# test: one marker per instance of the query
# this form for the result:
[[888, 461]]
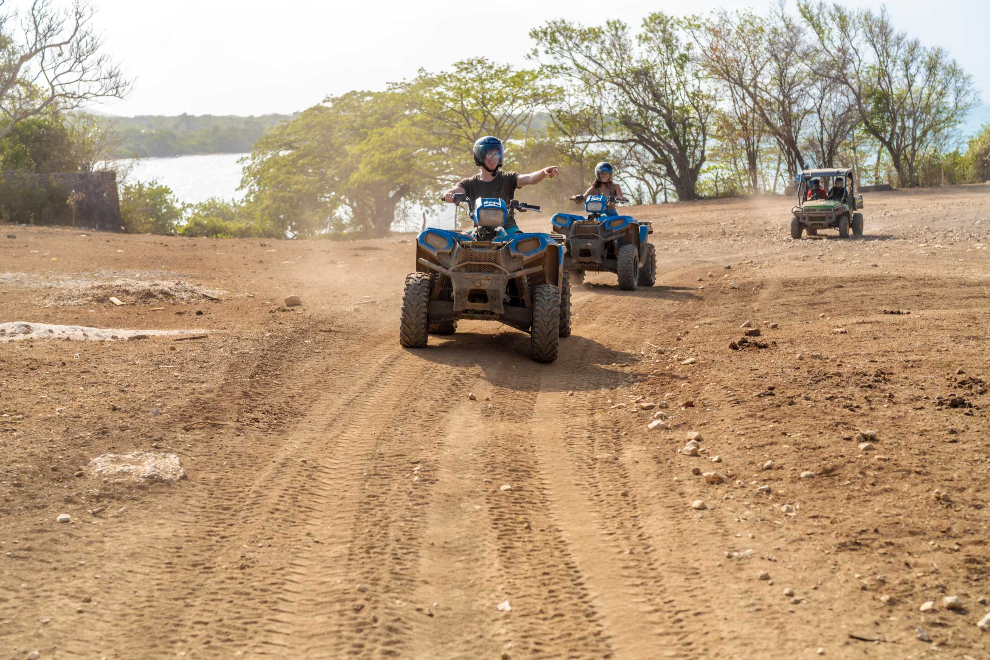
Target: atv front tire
[[844, 227], [565, 306], [795, 228], [414, 323], [648, 273], [628, 267], [857, 224], [545, 334]]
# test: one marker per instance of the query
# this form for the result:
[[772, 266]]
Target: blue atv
[[613, 243], [486, 273]]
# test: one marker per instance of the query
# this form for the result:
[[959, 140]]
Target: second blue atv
[[486, 273], [611, 243]]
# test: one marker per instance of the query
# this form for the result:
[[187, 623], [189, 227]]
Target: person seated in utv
[[603, 185], [815, 190], [838, 191], [492, 182]]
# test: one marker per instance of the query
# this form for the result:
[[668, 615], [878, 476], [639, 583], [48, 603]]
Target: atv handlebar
[[514, 204], [522, 207], [611, 199]]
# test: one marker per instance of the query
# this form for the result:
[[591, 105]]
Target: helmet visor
[[488, 152]]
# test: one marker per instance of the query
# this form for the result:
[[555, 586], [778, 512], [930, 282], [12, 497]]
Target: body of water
[[193, 179], [196, 179]]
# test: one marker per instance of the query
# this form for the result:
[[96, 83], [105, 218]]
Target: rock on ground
[[138, 466]]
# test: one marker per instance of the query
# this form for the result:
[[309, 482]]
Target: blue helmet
[[603, 168], [484, 146]]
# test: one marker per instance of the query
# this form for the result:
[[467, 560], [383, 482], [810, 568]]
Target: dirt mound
[[97, 288]]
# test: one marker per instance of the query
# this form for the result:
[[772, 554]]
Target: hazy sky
[[252, 57]]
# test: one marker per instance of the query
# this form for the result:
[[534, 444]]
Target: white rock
[[820, 651], [786, 508], [619, 406], [505, 487], [715, 478], [922, 634], [764, 575], [504, 606], [472, 397], [984, 623], [807, 475], [928, 606], [952, 603], [788, 592], [138, 466], [716, 459], [656, 424], [694, 435], [765, 488], [690, 450], [867, 446], [63, 518], [747, 324], [33, 655], [689, 361], [647, 405], [699, 505], [768, 465]]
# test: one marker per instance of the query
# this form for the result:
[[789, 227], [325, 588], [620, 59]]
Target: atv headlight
[[595, 204], [493, 217], [436, 241], [527, 245]]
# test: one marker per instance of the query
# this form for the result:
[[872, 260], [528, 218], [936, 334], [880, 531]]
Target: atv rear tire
[[443, 328], [844, 227], [648, 273], [545, 334], [414, 324], [857, 224], [628, 267], [795, 228], [565, 306]]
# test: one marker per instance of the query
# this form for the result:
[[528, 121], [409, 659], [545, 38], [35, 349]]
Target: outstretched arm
[[536, 177]]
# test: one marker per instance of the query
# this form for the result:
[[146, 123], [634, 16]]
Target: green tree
[[907, 96], [342, 166], [624, 91], [149, 208]]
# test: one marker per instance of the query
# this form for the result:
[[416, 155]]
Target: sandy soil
[[345, 498]]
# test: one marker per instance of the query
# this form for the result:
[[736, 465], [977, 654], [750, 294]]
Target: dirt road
[[346, 498]]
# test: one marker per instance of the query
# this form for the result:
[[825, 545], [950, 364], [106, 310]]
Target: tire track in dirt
[[600, 505]]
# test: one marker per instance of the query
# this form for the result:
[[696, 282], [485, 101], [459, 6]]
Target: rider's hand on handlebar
[[449, 197], [550, 171]]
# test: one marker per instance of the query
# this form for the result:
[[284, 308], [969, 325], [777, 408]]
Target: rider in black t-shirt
[[492, 182]]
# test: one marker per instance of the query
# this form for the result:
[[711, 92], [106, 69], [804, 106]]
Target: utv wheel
[[443, 328], [857, 224], [844, 227], [577, 277], [795, 229], [565, 306], [414, 322], [628, 267], [545, 335], [648, 273]]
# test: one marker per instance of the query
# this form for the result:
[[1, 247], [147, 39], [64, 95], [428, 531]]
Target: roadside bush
[[149, 208]]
